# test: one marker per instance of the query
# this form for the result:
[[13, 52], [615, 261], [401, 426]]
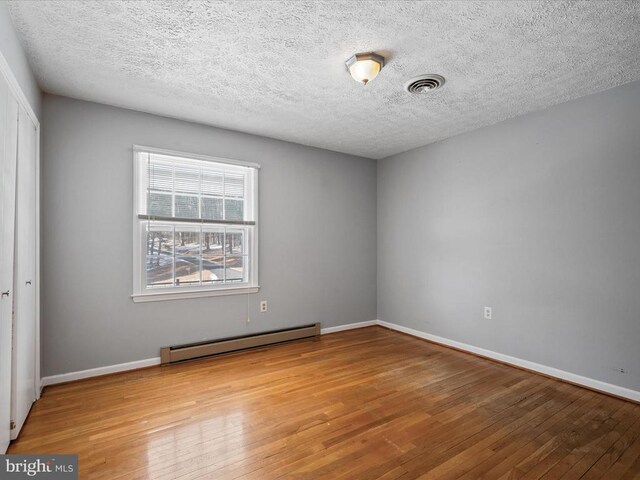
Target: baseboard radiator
[[179, 353]]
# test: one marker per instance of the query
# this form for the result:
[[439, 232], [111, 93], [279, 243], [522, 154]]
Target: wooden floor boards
[[361, 404]]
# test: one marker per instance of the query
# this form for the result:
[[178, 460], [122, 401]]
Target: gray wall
[[317, 238], [537, 217], [17, 59]]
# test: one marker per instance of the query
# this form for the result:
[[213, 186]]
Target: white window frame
[[143, 294]]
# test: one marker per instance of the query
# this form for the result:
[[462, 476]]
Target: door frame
[[15, 88]]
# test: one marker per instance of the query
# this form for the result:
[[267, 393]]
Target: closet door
[[23, 391], [8, 147]]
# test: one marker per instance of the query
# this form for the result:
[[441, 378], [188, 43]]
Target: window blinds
[[181, 189]]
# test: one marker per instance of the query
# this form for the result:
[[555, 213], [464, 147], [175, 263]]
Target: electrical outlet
[[263, 306], [487, 313]]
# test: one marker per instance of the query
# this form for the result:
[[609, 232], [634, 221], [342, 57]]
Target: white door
[[8, 146], [23, 392]]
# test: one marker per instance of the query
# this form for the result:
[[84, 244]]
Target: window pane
[[234, 269], [159, 239], [234, 209], [212, 183], [160, 176], [212, 241], [186, 206], [234, 242], [187, 179], [187, 270], [212, 208], [160, 204], [159, 258], [212, 269], [187, 240], [159, 271], [234, 185]]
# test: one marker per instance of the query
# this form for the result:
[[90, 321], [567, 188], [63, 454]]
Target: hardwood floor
[[361, 404]]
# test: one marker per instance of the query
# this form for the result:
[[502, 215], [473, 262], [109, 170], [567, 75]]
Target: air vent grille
[[424, 84]]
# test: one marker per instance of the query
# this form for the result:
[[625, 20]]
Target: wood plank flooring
[[362, 404]]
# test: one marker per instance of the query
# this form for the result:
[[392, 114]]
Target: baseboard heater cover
[[179, 353]]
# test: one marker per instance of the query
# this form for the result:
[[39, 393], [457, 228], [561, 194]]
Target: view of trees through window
[[192, 255]]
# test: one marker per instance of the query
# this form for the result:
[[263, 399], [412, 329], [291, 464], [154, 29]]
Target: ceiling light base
[[364, 67]]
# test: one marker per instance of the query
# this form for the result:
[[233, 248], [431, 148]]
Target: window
[[195, 226]]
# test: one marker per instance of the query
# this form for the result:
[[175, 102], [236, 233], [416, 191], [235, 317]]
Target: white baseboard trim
[[518, 362], [349, 326], [95, 372]]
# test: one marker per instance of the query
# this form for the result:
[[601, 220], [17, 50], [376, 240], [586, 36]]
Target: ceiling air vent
[[424, 83]]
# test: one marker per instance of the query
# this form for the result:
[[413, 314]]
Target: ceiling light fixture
[[364, 67]]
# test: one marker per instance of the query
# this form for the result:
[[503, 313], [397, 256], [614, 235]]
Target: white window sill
[[180, 295]]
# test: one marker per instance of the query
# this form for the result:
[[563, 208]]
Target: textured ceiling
[[276, 68]]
